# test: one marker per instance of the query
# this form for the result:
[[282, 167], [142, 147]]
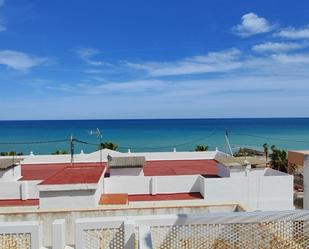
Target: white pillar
[[153, 183], [145, 237], [24, 190], [306, 182], [129, 234], [59, 234]]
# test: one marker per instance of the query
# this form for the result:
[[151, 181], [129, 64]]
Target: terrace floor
[[123, 198]]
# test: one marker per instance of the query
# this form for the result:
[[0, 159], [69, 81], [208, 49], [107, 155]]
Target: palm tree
[[265, 146], [278, 159], [108, 145], [201, 147]]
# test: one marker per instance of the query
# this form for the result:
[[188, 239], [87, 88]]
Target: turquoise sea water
[[155, 135]]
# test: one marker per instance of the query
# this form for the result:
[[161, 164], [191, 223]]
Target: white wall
[[177, 184], [126, 172], [254, 192], [67, 199], [99, 190], [10, 190], [10, 174], [152, 185], [19, 190], [32, 189], [223, 171], [127, 184], [276, 191]]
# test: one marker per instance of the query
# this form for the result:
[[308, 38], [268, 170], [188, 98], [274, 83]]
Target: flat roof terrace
[[43, 171], [76, 175], [181, 167]]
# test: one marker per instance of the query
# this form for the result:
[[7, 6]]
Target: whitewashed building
[[52, 182], [58, 203]]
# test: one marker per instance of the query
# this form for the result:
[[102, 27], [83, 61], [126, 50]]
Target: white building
[[50, 182], [46, 188]]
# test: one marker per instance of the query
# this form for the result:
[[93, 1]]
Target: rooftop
[[305, 152], [8, 162], [180, 167], [31, 172], [75, 175], [230, 161], [19, 202]]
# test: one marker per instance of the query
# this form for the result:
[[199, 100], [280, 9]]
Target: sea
[[139, 135]]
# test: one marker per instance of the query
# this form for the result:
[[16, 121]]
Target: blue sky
[[153, 59]]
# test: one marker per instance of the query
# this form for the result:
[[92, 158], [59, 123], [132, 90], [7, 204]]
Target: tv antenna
[[99, 136], [226, 135]]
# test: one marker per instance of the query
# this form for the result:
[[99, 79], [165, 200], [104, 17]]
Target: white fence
[[269, 230]]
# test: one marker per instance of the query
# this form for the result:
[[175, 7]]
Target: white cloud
[[277, 47], [252, 24], [293, 33], [18, 60], [136, 86], [86, 54], [292, 60], [277, 79], [222, 61]]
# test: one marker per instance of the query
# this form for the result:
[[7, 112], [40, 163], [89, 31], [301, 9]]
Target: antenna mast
[[226, 135], [99, 137]]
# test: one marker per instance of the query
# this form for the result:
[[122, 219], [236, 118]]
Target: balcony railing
[[267, 230]]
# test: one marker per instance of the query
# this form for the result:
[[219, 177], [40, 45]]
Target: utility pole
[[226, 135], [72, 149]]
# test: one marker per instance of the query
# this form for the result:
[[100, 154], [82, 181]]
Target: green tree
[[265, 147], [108, 145], [10, 153], [201, 147], [60, 152], [279, 159]]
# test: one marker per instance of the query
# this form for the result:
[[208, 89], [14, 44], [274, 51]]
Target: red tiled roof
[[43, 171], [180, 167], [166, 197], [75, 175], [18, 202]]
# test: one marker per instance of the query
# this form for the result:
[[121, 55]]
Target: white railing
[[21, 235], [271, 230], [230, 230]]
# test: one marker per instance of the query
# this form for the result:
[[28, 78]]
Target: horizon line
[[124, 119]]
